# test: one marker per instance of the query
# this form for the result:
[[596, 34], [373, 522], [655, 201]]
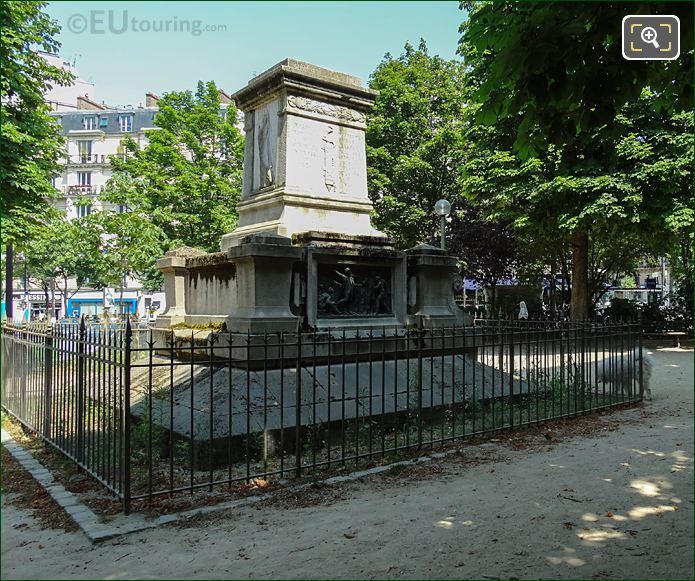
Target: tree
[[414, 143], [488, 251], [128, 244], [187, 180], [576, 125], [61, 250], [31, 142]]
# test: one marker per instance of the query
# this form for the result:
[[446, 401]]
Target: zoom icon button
[[651, 38]]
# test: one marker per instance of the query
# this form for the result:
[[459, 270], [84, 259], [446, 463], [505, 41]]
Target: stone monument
[[305, 163], [305, 255]]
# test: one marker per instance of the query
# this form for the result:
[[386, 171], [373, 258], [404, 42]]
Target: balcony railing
[[93, 158], [81, 190]]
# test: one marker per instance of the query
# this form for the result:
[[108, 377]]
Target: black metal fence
[[150, 412]]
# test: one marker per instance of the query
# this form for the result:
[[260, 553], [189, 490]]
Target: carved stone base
[[431, 275], [287, 213]]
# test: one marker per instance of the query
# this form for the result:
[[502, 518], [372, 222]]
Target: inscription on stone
[[353, 291], [330, 173]]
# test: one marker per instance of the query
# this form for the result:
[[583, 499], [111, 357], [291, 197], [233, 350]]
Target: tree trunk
[[120, 304], [64, 300], [9, 276], [552, 296], [48, 300], [579, 301]]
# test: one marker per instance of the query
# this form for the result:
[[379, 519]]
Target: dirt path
[[617, 504]]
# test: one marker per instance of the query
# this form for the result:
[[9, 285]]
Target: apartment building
[[94, 137], [94, 134]]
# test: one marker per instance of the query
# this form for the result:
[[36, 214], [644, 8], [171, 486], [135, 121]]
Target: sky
[[126, 51]]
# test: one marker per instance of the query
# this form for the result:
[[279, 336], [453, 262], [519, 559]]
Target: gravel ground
[[600, 497]]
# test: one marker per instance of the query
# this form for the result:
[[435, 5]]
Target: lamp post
[[442, 208]]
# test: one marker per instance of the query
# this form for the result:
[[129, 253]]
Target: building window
[[122, 208], [84, 210], [104, 122], [84, 178], [84, 149], [89, 121], [125, 122]]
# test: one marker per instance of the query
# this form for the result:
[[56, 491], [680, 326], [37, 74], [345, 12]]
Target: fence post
[[48, 385], [126, 418], [24, 364], [511, 377], [80, 390], [641, 359], [420, 342], [298, 408]]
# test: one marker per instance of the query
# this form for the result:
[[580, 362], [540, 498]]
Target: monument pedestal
[[264, 264], [431, 300], [305, 255]]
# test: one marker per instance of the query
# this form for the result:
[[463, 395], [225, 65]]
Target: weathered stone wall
[[211, 287]]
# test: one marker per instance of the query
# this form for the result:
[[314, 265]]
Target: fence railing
[[149, 412]]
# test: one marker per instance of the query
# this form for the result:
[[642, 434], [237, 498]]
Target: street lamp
[[442, 208]]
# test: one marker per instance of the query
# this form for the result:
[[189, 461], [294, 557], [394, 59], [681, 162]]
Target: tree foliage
[[64, 250], [129, 245], [31, 140], [187, 180], [573, 142], [414, 143], [557, 67]]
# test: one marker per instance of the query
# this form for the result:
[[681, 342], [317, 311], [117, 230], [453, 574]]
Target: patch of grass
[[397, 469]]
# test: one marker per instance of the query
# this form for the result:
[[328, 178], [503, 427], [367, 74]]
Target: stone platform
[[349, 391]]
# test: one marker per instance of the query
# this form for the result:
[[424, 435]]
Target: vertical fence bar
[[408, 348], [298, 408], [370, 338], [191, 441], [430, 411], [172, 445], [511, 378], [48, 385], [126, 419], [315, 427], [248, 406], [419, 384], [641, 360], [329, 400], [149, 419], [383, 390], [80, 419], [342, 401], [266, 436], [282, 403], [474, 401]]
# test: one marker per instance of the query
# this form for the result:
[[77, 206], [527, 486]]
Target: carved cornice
[[335, 111]]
